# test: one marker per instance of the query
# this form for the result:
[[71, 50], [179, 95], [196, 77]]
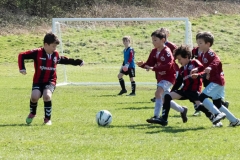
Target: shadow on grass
[[170, 129], [16, 125], [134, 108], [107, 95], [167, 129], [135, 126]]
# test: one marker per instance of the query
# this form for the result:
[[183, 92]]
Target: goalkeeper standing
[[45, 76], [128, 66]]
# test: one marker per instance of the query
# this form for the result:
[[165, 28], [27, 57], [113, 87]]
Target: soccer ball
[[103, 118]]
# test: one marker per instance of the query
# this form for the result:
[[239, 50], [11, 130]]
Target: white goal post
[[56, 28], [188, 29]]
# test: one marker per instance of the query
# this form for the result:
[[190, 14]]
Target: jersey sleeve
[[66, 60], [178, 82], [213, 59], [131, 55], [198, 65], [151, 61], [195, 53], [31, 54]]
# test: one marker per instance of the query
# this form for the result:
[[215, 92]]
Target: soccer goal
[[98, 41]]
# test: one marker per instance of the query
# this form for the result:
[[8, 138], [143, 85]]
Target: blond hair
[[128, 38]]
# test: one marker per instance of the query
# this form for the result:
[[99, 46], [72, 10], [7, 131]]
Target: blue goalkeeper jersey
[[129, 55]]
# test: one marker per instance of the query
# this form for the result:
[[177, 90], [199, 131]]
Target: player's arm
[[213, 58], [131, 55], [178, 83], [198, 67], [75, 62], [31, 54], [194, 53], [150, 61]]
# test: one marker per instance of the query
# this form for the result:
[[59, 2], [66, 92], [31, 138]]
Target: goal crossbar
[[185, 19]]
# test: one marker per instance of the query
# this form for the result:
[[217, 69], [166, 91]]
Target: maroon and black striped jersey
[[45, 64], [190, 84]]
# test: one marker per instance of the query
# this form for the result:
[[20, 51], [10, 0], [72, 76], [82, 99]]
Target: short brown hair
[[159, 34], [165, 30], [184, 51], [207, 37], [198, 34], [50, 38]]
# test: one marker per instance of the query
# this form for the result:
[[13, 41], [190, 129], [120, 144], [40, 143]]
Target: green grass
[[75, 134], [101, 43]]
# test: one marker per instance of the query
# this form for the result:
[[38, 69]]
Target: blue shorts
[[214, 90]]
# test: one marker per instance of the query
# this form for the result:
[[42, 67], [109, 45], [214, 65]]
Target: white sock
[[176, 106], [229, 115], [210, 106], [157, 108]]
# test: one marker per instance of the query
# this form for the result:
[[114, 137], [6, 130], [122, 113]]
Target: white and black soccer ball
[[103, 118]]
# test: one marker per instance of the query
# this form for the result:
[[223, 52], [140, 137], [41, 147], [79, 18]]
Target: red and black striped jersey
[[189, 83], [44, 64]]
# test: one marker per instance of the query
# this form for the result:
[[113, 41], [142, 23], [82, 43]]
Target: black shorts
[[42, 86], [130, 72], [190, 95]]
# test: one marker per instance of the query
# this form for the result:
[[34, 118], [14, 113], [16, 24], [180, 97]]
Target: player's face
[[157, 42], [50, 48], [202, 45], [182, 61], [126, 43]]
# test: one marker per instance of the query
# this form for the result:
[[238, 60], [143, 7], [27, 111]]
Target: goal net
[[98, 41]]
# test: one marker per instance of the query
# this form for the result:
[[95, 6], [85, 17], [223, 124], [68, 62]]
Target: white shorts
[[214, 90], [165, 85]]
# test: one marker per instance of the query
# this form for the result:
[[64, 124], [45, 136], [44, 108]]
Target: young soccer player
[[190, 90], [161, 61], [172, 47], [215, 75], [45, 77], [196, 54], [128, 67]]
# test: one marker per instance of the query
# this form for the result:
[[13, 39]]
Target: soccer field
[[75, 134]]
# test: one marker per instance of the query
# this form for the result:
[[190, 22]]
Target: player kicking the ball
[[45, 76]]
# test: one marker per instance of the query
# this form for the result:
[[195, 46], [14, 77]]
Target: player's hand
[[82, 64], [207, 76], [125, 67], [139, 63], [194, 75], [147, 67], [150, 68], [208, 70], [194, 70], [23, 72]]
